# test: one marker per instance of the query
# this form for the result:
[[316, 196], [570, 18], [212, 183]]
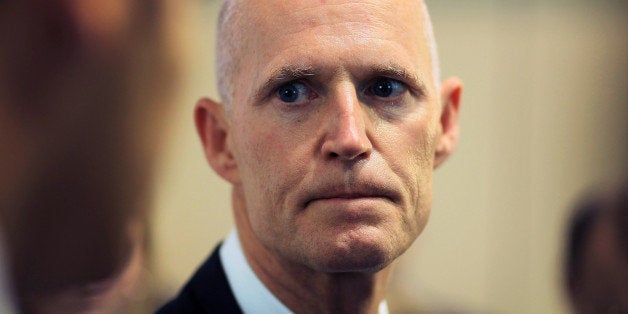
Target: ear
[[451, 91], [213, 129]]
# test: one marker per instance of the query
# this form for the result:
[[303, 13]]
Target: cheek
[[263, 154], [254, 154], [425, 148], [267, 163], [412, 158], [413, 145]]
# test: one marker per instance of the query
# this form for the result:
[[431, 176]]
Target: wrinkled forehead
[[315, 32]]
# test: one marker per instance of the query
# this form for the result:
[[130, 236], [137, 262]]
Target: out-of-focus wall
[[543, 117], [192, 209]]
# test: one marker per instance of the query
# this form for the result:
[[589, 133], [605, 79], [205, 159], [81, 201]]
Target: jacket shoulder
[[208, 291]]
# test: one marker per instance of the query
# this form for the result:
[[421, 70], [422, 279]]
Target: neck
[[304, 290]]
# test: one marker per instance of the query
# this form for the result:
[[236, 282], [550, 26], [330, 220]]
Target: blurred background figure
[[596, 260], [84, 87]]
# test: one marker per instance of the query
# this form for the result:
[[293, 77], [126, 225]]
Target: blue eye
[[292, 92], [386, 88]]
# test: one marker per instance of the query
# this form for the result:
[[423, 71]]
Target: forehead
[[295, 16], [332, 36]]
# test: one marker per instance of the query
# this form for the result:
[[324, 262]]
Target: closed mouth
[[371, 193]]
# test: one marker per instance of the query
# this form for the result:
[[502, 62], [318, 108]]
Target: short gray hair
[[226, 47]]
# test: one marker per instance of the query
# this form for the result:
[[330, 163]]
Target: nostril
[[348, 153]]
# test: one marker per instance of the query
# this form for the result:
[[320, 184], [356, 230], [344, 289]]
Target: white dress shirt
[[250, 293]]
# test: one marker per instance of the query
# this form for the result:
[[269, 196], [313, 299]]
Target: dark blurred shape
[[83, 87], [596, 270]]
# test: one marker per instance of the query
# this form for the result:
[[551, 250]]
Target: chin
[[355, 252]]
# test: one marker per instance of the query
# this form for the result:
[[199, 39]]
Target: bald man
[[331, 123]]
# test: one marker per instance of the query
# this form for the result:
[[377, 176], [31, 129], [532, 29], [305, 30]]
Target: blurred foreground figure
[[81, 97], [597, 254]]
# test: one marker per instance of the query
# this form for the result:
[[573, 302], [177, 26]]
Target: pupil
[[289, 94], [383, 88]]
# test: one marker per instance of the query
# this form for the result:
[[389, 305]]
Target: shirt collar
[[250, 293]]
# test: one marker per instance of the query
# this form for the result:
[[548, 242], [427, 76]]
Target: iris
[[386, 87], [292, 92]]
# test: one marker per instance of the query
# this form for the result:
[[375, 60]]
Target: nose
[[346, 130]]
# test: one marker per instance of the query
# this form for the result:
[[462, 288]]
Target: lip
[[369, 193], [347, 200], [350, 196]]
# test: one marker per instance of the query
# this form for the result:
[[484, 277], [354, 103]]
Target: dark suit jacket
[[207, 292]]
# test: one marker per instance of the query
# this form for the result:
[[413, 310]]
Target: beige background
[[543, 117]]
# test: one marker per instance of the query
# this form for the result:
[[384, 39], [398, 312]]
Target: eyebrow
[[283, 75]]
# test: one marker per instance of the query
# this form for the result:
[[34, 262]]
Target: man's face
[[333, 127]]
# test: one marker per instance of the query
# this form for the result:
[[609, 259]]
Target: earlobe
[[451, 92], [213, 129]]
